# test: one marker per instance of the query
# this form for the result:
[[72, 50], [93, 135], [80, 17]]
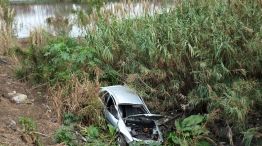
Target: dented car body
[[127, 112]]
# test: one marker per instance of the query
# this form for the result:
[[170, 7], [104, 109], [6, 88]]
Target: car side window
[[104, 97], [111, 107]]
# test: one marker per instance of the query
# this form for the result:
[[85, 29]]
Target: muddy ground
[[36, 108]]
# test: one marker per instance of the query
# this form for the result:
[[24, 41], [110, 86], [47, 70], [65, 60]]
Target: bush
[[77, 97], [190, 131], [66, 135], [29, 127]]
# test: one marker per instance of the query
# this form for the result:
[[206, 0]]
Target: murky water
[[30, 16]]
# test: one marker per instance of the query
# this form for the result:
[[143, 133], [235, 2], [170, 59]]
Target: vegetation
[[6, 27], [73, 134], [29, 127], [190, 132], [203, 59]]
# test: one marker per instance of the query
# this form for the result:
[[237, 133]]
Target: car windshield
[[129, 110]]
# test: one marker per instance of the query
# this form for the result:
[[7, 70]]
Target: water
[[32, 15]]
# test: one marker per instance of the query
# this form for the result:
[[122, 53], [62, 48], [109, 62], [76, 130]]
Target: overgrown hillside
[[204, 57]]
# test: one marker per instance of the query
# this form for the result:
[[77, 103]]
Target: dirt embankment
[[35, 108]]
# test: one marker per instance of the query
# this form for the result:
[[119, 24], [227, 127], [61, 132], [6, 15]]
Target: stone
[[17, 97], [12, 125]]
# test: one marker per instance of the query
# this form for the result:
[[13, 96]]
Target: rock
[[12, 125], [17, 97]]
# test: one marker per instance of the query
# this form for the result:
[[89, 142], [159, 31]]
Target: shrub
[[66, 135], [96, 136], [29, 127], [77, 97], [190, 131], [28, 124]]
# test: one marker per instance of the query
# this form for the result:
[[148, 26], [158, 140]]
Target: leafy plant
[[28, 124], [250, 134], [97, 137], [189, 131], [29, 127], [112, 130], [91, 132], [65, 134], [70, 118]]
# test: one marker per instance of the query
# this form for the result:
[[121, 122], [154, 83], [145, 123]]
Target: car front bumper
[[139, 142]]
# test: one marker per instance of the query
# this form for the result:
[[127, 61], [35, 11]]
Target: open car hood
[[154, 117]]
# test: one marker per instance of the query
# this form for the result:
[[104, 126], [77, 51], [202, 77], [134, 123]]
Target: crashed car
[[127, 112]]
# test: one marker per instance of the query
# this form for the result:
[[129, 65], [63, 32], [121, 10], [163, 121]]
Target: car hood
[[154, 117]]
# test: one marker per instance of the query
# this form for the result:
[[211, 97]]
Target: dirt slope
[[36, 108]]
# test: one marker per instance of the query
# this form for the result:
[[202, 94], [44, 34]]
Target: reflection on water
[[31, 16]]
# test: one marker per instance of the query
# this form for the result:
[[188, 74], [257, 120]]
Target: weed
[[28, 124], [96, 136], [70, 118], [29, 127], [251, 134], [189, 131], [66, 135], [91, 132], [112, 130]]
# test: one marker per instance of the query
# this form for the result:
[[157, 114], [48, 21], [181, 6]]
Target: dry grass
[[78, 97], [121, 10], [38, 37], [59, 25], [7, 39]]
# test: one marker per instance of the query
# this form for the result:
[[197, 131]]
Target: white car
[[127, 112]]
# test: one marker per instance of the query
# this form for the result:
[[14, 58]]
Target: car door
[[110, 110]]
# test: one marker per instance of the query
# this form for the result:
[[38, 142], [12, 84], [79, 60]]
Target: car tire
[[121, 140]]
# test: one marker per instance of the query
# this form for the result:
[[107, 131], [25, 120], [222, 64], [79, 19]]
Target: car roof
[[123, 95]]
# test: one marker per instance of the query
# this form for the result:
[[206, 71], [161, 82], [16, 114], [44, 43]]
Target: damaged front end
[[143, 128]]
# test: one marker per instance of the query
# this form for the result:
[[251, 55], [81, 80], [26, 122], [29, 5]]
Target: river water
[[30, 16]]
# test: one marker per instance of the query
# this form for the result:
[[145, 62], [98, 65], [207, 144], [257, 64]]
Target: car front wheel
[[121, 140]]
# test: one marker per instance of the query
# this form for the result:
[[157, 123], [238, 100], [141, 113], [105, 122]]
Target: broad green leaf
[[192, 120]]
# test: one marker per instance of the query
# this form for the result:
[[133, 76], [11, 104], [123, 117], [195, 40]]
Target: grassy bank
[[204, 57]]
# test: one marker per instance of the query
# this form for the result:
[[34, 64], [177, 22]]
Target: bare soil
[[37, 108]]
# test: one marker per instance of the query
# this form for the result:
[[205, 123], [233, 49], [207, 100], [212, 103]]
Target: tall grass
[[77, 97], [206, 54], [6, 26]]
